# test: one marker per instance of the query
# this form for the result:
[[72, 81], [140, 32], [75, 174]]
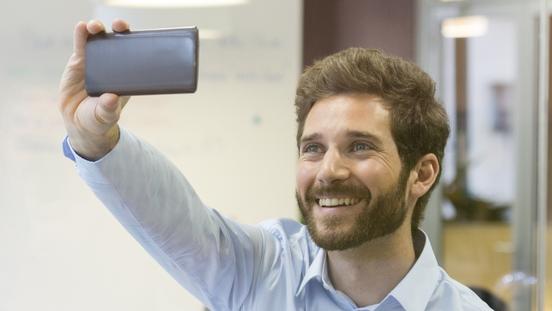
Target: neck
[[369, 272]]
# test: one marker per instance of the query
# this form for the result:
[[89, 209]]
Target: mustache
[[348, 190]]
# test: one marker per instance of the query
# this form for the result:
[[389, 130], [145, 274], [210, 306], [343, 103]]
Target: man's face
[[350, 189]]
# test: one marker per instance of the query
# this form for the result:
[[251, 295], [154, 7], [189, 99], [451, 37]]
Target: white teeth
[[337, 202]]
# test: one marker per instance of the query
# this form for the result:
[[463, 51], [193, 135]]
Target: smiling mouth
[[337, 202]]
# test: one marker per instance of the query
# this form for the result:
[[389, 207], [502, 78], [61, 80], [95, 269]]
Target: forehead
[[337, 115]]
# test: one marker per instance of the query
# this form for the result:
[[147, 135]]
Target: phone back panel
[[145, 62]]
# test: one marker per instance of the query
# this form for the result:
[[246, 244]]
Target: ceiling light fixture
[[210, 34], [173, 3], [464, 27]]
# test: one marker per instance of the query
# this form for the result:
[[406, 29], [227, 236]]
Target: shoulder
[[285, 230], [290, 235], [452, 295], [283, 225]]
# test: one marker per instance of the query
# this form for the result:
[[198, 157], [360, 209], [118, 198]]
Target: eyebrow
[[359, 134], [311, 137], [351, 134]]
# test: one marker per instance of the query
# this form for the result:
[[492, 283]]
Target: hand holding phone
[[91, 122]]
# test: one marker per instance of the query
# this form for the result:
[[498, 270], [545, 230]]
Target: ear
[[423, 175]]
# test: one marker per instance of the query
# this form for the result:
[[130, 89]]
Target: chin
[[335, 236]]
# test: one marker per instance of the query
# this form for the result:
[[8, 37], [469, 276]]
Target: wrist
[[95, 147]]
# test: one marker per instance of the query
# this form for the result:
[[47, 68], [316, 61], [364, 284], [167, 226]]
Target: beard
[[379, 217]]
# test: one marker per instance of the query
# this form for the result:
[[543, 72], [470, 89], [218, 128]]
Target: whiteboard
[[234, 140]]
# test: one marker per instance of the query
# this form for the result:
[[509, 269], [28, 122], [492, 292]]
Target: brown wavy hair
[[419, 123]]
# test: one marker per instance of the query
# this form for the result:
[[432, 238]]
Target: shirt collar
[[413, 291], [316, 270]]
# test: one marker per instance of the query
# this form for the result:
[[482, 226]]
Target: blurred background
[[235, 138]]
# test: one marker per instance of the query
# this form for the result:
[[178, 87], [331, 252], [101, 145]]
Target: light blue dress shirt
[[229, 266]]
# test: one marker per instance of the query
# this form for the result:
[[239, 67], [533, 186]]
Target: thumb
[[108, 109]]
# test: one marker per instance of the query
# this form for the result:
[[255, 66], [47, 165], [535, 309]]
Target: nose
[[333, 168]]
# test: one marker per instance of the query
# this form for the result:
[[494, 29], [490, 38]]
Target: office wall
[[234, 139], [332, 25]]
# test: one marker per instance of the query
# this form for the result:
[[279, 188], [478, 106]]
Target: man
[[371, 139]]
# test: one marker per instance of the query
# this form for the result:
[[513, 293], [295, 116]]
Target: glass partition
[[490, 62]]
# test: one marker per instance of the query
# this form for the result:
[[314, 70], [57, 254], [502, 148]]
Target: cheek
[[305, 176], [374, 175]]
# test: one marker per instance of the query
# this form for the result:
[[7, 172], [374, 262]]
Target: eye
[[312, 148], [361, 146]]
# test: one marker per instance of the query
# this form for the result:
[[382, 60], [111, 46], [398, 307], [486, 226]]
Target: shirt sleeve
[[214, 258]]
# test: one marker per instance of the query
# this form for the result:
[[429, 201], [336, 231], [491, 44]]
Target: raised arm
[[214, 258]]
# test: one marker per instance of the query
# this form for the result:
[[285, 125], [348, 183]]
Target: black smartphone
[[159, 61]]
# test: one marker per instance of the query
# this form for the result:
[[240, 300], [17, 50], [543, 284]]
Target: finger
[[107, 109], [95, 26], [80, 34], [120, 25]]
